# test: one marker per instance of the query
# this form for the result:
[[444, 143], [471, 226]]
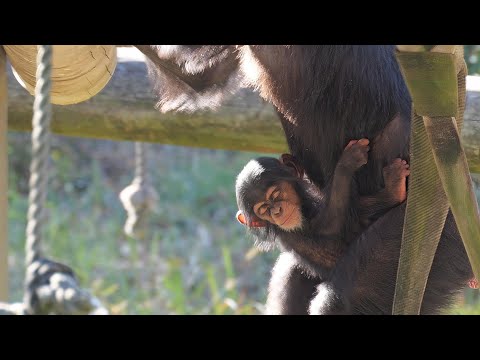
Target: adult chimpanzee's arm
[[192, 77], [290, 290]]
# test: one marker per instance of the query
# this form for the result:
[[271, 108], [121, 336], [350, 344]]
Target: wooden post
[[3, 179]]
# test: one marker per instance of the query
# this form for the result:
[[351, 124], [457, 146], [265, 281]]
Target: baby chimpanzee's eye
[[275, 194], [263, 209]]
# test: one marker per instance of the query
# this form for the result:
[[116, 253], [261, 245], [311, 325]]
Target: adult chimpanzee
[[325, 95]]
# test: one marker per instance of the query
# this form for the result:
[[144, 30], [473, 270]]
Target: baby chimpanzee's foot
[[394, 175]]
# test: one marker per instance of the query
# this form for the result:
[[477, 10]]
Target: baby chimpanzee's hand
[[354, 155]]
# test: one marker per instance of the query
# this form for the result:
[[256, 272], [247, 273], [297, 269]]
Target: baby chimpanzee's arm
[[331, 220]]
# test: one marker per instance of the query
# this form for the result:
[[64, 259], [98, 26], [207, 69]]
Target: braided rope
[[50, 287], [139, 197], [40, 151], [140, 161]]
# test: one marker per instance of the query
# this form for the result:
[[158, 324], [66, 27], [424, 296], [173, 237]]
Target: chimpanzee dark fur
[[325, 96]]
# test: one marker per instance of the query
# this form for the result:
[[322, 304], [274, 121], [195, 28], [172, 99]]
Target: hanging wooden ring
[[78, 71]]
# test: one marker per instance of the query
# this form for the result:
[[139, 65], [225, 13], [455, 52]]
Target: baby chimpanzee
[[276, 203]]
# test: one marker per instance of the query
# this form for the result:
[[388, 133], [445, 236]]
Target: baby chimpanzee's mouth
[[288, 217]]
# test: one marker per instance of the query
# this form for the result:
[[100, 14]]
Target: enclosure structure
[[124, 111]]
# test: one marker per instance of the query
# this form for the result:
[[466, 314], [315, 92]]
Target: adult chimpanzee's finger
[[363, 141]]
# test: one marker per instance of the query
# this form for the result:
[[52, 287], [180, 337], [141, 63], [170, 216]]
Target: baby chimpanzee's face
[[281, 206]]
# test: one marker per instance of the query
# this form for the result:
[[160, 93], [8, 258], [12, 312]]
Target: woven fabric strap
[[439, 172]]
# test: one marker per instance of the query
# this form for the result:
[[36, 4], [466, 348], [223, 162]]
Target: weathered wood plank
[[124, 111]]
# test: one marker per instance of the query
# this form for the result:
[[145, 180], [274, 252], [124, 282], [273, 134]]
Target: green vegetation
[[472, 57], [197, 259], [469, 305]]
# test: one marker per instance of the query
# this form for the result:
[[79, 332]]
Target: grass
[[195, 258]]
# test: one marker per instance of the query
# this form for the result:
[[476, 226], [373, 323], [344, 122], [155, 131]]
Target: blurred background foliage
[[472, 57], [196, 258]]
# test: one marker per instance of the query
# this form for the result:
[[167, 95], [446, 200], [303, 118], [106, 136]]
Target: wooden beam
[[124, 110], [3, 180]]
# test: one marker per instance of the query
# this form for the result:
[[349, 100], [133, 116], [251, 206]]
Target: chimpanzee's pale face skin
[[281, 207]]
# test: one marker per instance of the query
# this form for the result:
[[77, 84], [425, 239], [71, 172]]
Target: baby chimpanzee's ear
[[256, 223], [290, 161]]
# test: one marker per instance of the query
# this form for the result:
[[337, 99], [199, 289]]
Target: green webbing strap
[[439, 173], [425, 215], [432, 81]]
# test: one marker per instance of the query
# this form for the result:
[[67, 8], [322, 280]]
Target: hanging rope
[[50, 287], [42, 111], [139, 197], [140, 161]]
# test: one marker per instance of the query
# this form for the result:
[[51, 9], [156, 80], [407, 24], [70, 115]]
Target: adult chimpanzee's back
[[330, 94], [325, 95]]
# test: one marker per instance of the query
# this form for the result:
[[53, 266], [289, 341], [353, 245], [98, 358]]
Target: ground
[[197, 259]]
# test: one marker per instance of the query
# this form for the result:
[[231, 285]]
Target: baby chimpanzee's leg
[[394, 193], [395, 175]]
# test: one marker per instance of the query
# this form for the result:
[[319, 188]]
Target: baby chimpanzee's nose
[[277, 211]]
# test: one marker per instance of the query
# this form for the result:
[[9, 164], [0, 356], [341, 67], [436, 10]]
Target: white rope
[[50, 287]]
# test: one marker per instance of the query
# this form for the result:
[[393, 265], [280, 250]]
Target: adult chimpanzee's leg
[[450, 267], [364, 279], [290, 290]]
